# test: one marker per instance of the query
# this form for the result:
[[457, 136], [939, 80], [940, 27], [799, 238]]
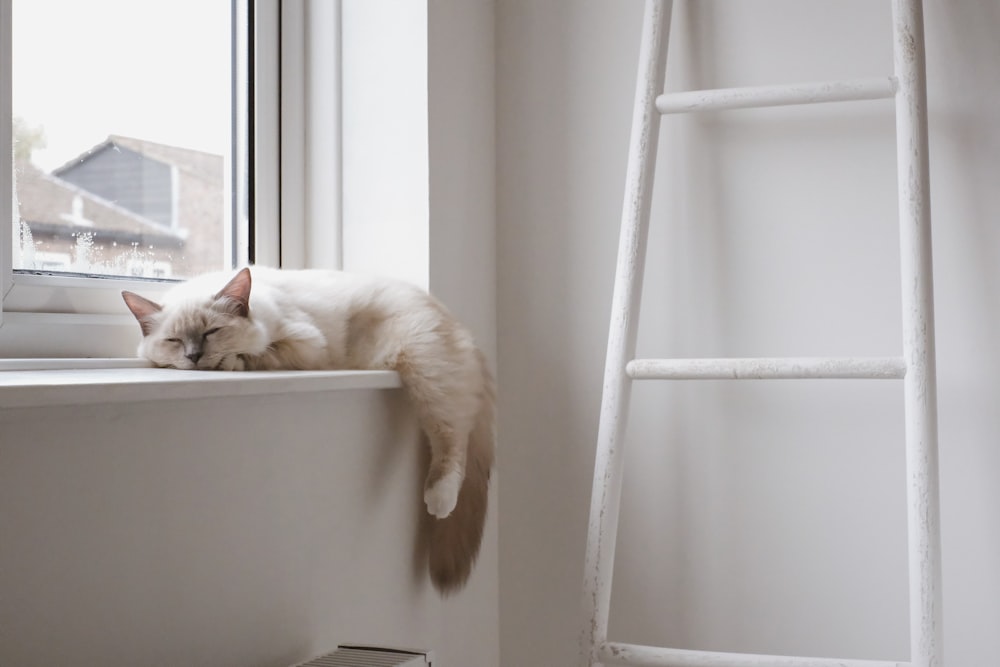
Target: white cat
[[311, 320]]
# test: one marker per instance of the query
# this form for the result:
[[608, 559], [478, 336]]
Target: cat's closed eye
[[178, 341], [210, 332]]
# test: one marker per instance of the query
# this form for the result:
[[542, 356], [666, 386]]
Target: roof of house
[[46, 203], [206, 166]]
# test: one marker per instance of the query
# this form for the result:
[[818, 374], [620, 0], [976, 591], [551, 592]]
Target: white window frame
[[310, 209], [66, 316]]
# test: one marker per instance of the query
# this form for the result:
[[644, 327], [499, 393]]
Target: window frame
[[69, 316], [310, 210]]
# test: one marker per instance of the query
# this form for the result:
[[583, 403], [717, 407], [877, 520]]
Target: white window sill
[[42, 383]]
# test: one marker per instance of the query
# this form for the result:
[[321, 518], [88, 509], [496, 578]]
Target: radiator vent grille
[[371, 656]]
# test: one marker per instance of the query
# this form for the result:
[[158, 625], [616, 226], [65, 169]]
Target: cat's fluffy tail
[[455, 540]]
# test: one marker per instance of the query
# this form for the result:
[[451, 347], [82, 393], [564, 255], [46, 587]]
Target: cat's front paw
[[231, 362], [442, 496]]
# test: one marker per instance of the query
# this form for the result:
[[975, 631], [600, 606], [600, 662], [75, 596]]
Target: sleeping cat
[[315, 319]]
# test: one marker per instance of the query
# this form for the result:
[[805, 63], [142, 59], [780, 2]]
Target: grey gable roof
[[202, 165], [46, 203]]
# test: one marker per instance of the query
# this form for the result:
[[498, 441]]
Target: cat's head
[[198, 331]]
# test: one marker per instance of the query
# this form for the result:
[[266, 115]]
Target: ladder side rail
[[920, 393], [606, 493]]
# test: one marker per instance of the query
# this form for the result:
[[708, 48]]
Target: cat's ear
[[143, 309], [236, 294]]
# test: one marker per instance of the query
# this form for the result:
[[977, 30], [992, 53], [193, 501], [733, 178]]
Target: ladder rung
[[614, 653], [780, 95], [878, 368]]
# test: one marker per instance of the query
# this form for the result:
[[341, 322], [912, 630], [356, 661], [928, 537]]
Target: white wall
[[385, 139], [757, 517], [419, 157], [234, 531], [462, 157]]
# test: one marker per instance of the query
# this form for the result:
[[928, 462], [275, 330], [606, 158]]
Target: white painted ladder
[[916, 367]]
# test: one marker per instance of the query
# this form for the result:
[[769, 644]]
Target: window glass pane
[[122, 131]]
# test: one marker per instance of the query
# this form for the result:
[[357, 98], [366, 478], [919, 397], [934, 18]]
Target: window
[[122, 123], [136, 147], [294, 193]]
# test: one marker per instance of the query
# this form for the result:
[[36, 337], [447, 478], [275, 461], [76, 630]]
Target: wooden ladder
[[916, 366]]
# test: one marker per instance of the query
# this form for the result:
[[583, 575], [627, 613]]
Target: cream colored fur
[[269, 319]]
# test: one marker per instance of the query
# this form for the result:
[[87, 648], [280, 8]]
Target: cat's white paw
[[442, 496], [231, 362]]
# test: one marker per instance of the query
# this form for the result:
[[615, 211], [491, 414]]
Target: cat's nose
[[194, 356]]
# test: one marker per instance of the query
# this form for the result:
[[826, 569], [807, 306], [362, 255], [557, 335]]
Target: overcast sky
[[149, 69]]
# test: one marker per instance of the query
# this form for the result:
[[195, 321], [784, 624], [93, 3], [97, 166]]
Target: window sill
[[40, 384]]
